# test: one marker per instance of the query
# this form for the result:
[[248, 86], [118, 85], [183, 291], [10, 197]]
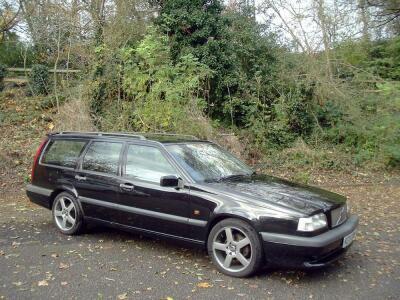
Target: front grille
[[338, 215]]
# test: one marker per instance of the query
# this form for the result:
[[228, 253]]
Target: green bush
[[3, 73], [159, 94], [290, 117], [392, 154], [39, 80], [329, 114]]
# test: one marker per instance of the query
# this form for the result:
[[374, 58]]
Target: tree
[[199, 28], [8, 18], [386, 12]]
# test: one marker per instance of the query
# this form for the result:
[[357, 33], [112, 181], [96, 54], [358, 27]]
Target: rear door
[[98, 180], [153, 207]]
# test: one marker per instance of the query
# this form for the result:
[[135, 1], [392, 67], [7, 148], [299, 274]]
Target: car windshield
[[208, 162]]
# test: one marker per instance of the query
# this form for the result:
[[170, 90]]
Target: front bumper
[[299, 251]]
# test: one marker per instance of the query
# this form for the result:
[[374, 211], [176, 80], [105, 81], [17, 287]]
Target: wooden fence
[[21, 73]]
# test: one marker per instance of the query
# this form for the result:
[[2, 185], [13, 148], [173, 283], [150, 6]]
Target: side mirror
[[171, 181]]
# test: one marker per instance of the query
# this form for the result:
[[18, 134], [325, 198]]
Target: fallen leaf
[[43, 283], [122, 296], [63, 266], [204, 284]]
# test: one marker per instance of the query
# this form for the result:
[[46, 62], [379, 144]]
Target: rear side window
[[64, 153], [102, 157]]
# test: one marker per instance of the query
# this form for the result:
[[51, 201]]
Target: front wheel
[[235, 248]]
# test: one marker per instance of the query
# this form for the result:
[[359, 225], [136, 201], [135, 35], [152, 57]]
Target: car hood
[[262, 190]]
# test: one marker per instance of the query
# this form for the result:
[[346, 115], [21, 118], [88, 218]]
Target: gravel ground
[[38, 262]]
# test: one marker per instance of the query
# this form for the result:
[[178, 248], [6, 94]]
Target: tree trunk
[[364, 16], [323, 22]]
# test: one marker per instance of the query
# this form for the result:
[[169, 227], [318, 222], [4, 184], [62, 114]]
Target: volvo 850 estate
[[192, 190]]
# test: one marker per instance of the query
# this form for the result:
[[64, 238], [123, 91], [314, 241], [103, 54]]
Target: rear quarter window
[[64, 153]]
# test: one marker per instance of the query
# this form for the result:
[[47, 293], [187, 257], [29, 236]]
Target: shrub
[[3, 73], [288, 118], [159, 94], [39, 80], [329, 114]]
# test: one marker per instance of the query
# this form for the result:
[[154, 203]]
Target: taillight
[[37, 155]]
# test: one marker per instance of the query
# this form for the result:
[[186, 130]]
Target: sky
[[307, 29]]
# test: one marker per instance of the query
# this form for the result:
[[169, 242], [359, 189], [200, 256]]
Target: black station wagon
[[183, 188]]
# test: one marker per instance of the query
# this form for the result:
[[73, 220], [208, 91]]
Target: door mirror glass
[[171, 181]]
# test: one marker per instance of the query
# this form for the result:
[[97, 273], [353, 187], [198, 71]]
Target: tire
[[235, 256], [67, 214]]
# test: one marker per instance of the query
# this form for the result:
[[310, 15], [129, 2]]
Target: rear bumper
[[307, 252], [39, 195]]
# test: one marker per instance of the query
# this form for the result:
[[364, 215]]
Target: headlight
[[312, 223]]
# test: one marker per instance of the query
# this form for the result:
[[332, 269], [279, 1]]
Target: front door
[[153, 207]]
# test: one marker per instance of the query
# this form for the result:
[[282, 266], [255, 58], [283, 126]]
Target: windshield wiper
[[234, 176]]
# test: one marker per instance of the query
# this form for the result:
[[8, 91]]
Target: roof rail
[[167, 134], [138, 136]]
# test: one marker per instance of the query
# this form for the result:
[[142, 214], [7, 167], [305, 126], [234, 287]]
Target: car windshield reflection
[[208, 162]]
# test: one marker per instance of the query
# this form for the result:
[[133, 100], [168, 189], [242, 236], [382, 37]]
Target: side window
[[147, 163], [102, 157], [64, 153]]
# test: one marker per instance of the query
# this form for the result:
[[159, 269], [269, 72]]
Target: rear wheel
[[235, 248], [67, 214]]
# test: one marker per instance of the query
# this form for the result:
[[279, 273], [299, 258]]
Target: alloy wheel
[[232, 249], [65, 213]]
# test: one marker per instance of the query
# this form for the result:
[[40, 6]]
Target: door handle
[[127, 186], [79, 177]]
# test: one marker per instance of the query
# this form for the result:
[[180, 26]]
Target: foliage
[[381, 58], [13, 52], [3, 73], [39, 80], [384, 59], [200, 65], [251, 85], [98, 85], [200, 29], [371, 134], [165, 95]]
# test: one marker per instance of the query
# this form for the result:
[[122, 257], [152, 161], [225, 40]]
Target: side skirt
[[146, 232]]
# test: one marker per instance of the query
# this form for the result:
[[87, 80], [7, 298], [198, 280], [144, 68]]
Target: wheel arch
[[223, 216], [60, 189]]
